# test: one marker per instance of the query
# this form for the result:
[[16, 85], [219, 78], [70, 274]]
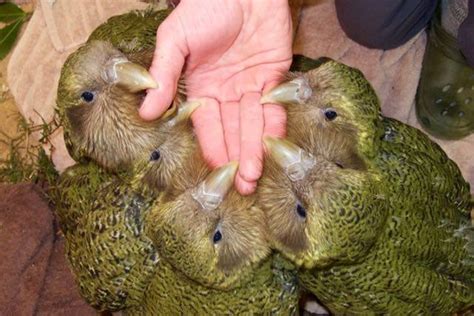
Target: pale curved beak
[[128, 75], [295, 91], [212, 191], [294, 161], [183, 111]]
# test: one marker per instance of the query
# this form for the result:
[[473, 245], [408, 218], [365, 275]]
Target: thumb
[[168, 60]]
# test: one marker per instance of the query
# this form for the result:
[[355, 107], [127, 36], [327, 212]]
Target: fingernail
[[244, 187], [250, 170]]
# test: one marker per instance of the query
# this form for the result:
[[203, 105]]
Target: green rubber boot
[[445, 96]]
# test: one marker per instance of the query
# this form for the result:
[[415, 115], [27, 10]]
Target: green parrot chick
[[99, 93], [396, 197], [329, 100], [318, 212], [216, 259], [213, 236]]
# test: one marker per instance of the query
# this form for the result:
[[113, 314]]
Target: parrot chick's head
[[169, 164], [99, 93], [317, 211], [210, 232], [332, 96]]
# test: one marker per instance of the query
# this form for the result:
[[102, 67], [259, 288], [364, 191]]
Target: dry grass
[[22, 157]]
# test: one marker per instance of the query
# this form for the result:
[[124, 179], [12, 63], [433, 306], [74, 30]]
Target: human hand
[[233, 50]]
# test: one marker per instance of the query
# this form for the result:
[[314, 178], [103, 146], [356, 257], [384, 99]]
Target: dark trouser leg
[[466, 35], [384, 24]]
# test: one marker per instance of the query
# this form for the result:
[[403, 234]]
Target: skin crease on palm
[[231, 52]]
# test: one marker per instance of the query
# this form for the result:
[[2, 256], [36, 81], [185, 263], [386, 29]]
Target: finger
[[275, 120], [251, 132], [274, 115], [168, 60], [208, 127], [231, 122], [244, 187]]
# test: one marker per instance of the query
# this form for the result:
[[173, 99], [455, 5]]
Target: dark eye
[[217, 236], [330, 114], [87, 96], [300, 210], [155, 155]]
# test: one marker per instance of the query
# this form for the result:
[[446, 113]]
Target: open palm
[[231, 51]]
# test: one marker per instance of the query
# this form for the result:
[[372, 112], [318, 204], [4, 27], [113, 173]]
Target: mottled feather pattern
[[112, 259], [131, 32], [71, 194], [417, 254], [385, 227], [144, 227], [262, 296]]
